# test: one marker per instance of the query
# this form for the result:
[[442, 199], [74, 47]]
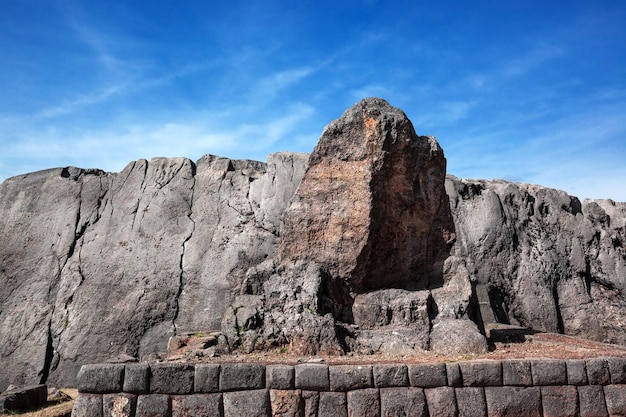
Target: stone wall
[[520, 387]]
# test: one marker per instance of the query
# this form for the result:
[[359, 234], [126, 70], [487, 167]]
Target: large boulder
[[372, 208], [371, 231]]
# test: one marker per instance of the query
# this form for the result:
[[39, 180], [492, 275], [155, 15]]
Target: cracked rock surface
[[372, 254], [96, 265]]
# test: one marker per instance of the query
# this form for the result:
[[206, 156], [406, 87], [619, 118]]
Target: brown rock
[[371, 208]]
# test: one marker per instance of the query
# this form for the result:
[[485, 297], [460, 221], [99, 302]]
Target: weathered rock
[[371, 209], [23, 398], [173, 246], [527, 245], [166, 245]]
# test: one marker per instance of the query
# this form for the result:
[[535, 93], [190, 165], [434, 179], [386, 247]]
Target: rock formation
[[374, 254], [542, 259]]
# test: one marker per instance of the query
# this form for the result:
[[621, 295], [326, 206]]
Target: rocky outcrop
[[364, 259], [543, 259], [369, 255], [97, 265], [371, 208]]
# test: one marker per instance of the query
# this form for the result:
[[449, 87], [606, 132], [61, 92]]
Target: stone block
[[513, 401], [516, 372], [311, 400], [350, 377], [87, 405], [617, 369], [242, 376], [591, 401], [137, 378], [390, 375], [453, 373], [153, 405], [286, 403], [576, 372], [403, 401], [549, 372], [559, 401], [279, 377], [363, 403], [197, 405], [119, 405], [332, 404], [441, 402], [206, 378], [471, 401], [312, 377], [481, 373], [615, 396], [171, 378], [23, 398], [598, 372], [252, 403], [427, 375], [100, 378]]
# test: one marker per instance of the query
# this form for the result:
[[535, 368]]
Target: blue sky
[[529, 91]]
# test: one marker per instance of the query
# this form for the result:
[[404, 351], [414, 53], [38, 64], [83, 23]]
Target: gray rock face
[[542, 259], [95, 265]]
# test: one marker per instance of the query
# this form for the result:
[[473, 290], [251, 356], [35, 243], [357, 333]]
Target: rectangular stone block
[[350, 377], [549, 372], [242, 376], [513, 401], [471, 401], [516, 372], [171, 378], [390, 375], [279, 377], [559, 401], [615, 396], [405, 401], [576, 372], [617, 369], [311, 401], [197, 405], [100, 378], [481, 373], [137, 378], [453, 373], [598, 372], [153, 405], [252, 403], [332, 404], [312, 377], [363, 403], [87, 405], [427, 375], [206, 378], [286, 403], [591, 401], [119, 405], [441, 402]]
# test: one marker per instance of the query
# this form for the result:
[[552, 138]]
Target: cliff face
[[95, 265], [542, 259]]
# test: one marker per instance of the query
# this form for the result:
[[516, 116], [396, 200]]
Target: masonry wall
[[589, 387]]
